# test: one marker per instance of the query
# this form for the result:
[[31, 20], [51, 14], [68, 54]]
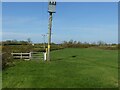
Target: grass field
[[69, 68]]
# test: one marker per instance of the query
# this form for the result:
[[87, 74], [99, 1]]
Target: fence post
[[45, 56], [30, 55]]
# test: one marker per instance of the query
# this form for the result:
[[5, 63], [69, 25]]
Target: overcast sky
[[85, 22]]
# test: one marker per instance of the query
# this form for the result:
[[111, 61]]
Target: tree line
[[99, 44]]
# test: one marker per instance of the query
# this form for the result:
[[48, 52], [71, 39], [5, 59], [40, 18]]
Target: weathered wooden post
[[51, 9]]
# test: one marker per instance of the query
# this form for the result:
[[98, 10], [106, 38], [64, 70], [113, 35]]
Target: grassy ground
[[69, 68]]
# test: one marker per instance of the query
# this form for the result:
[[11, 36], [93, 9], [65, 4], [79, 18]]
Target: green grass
[[69, 68]]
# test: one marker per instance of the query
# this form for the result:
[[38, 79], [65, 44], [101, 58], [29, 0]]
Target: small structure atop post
[[52, 6], [51, 9]]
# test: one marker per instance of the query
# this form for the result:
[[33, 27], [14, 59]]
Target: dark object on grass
[[74, 56]]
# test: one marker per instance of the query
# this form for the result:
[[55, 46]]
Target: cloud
[[19, 20], [24, 24], [88, 34], [21, 36], [21, 28], [15, 34]]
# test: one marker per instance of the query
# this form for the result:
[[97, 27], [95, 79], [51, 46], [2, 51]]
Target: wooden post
[[49, 36]]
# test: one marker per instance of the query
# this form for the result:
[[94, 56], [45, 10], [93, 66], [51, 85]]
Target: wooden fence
[[28, 56]]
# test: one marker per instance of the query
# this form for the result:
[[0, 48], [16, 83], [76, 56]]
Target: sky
[[80, 21]]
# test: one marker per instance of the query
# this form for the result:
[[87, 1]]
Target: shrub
[[6, 57]]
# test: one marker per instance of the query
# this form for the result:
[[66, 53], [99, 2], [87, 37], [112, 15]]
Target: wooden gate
[[37, 55]]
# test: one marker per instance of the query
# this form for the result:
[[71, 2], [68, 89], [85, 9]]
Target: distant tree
[[75, 42], [79, 42], [71, 41], [23, 42], [85, 43], [93, 44], [101, 43], [114, 44], [29, 41], [15, 41]]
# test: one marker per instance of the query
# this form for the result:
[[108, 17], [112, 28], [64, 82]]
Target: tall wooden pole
[[49, 36]]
